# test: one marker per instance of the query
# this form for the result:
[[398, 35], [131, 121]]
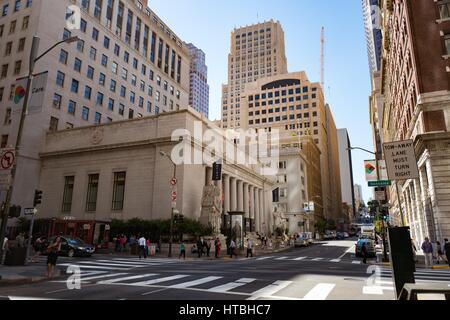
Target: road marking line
[[317, 259], [103, 276], [376, 290], [108, 264], [300, 258], [263, 258], [281, 258], [349, 250], [232, 285], [26, 298], [154, 281], [125, 262], [194, 283], [356, 262], [127, 278], [154, 291], [92, 267], [336, 260], [269, 290], [320, 291]]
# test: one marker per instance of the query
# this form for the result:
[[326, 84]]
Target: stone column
[[240, 195], [246, 200], [435, 234], [226, 193], [420, 211], [257, 211], [262, 217], [252, 202], [233, 192]]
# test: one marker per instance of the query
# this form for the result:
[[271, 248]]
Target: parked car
[[340, 236], [302, 240], [329, 235], [370, 246], [74, 247]]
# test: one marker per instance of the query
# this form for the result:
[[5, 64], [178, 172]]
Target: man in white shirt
[[5, 248], [250, 248], [142, 243]]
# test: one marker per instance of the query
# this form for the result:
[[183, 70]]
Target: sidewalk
[[31, 273], [420, 264]]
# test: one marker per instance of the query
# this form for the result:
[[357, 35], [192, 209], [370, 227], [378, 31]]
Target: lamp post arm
[[358, 148]]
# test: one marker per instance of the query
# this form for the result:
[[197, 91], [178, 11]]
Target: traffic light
[[37, 197], [14, 211], [180, 218]]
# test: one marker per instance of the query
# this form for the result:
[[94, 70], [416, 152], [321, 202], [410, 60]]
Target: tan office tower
[[294, 105], [257, 51]]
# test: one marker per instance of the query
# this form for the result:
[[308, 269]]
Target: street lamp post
[[33, 59], [385, 256], [162, 153]]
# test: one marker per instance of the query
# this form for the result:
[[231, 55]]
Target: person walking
[[182, 251], [364, 253], [5, 249], [427, 249], [53, 250], [440, 253], [147, 247], [38, 248], [217, 246], [208, 248], [233, 249], [447, 250], [250, 247], [142, 243], [200, 247]]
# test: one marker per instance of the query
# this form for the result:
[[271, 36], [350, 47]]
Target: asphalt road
[[326, 271]]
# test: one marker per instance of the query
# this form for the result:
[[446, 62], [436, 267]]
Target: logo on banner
[[19, 94], [370, 168]]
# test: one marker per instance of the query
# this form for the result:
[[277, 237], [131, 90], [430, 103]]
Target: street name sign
[[29, 211], [401, 160], [381, 183]]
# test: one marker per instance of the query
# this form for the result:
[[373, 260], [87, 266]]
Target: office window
[[29, 3], [92, 190], [80, 46], [135, 63], [112, 86], [156, 110], [447, 43], [90, 72], [83, 25], [93, 53], [149, 107], [5, 10], [132, 96], [121, 109], [8, 49], [141, 102], [77, 65], [57, 101], [126, 56], [111, 104], [4, 142], [85, 113], [143, 69], [85, 4], [74, 86], [2, 28], [68, 193], [160, 53], [133, 79], [142, 86], [101, 79], [150, 90], [71, 107], [66, 34], [444, 9], [114, 68], [2, 90], [25, 22], [123, 91], [151, 75], [106, 42], [99, 100], [98, 118], [60, 79], [158, 80], [63, 56], [153, 47], [130, 114], [124, 74], [12, 27], [7, 116], [118, 190], [95, 34], [116, 49], [87, 92], [98, 9]]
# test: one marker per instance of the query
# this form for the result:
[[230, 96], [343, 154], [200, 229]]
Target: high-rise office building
[[198, 86], [346, 170], [374, 36], [127, 64], [257, 51]]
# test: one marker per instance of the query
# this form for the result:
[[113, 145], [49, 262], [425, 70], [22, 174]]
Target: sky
[[208, 25]]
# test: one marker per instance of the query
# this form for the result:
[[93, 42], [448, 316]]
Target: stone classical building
[[127, 64], [116, 171], [416, 88]]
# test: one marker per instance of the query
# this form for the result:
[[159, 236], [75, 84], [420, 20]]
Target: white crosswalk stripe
[[320, 291], [155, 281], [118, 280], [231, 285], [194, 282], [270, 290]]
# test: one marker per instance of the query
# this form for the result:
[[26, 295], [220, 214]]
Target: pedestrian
[[208, 248], [194, 249], [182, 251], [38, 248], [147, 247], [142, 244], [447, 250], [440, 252], [364, 253], [250, 247], [414, 250], [217, 246], [200, 247], [53, 250], [233, 249], [5, 249], [427, 249]]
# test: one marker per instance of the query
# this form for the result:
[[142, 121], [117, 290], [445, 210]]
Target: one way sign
[[29, 211]]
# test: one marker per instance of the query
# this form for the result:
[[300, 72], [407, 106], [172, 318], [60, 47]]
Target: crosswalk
[[311, 259], [252, 288]]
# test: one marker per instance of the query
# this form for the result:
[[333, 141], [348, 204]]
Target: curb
[[441, 267], [29, 280]]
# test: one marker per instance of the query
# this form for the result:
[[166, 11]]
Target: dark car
[[74, 247]]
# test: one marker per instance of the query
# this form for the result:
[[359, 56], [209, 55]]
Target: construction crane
[[322, 58]]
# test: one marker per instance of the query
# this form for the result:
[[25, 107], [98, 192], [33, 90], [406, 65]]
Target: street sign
[[173, 182], [381, 183], [217, 171], [401, 160], [29, 211], [311, 206], [7, 159], [380, 194]]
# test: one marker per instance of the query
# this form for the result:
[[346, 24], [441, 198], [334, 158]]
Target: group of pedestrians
[[438, 252], [203, 247]]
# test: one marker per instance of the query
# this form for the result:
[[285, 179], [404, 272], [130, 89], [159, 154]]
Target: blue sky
[[208, 24]]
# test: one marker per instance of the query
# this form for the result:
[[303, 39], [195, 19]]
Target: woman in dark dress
[[53, 250]]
